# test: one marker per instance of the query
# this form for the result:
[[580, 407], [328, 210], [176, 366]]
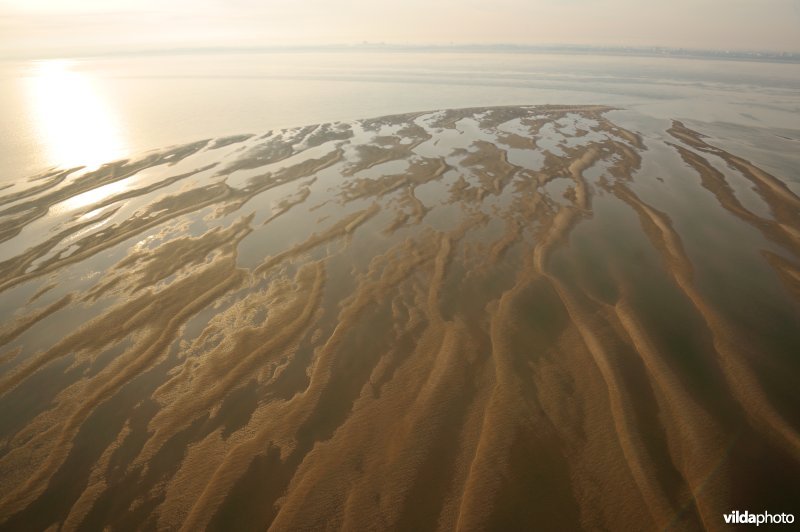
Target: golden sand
[[393, 324]]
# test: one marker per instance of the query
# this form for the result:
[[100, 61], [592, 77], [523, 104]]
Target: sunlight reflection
[[75, 125], [92, 197]]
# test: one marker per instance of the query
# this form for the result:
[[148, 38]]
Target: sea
[[86, 111]]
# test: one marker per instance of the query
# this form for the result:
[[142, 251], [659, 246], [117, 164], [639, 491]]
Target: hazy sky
[[50, 27]]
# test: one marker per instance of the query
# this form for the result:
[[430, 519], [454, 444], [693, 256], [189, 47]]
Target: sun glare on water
[[75, 125]]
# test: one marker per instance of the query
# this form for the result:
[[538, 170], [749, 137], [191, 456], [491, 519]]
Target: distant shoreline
[[622, 51]]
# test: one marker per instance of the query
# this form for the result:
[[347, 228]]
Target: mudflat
[[497, 318]]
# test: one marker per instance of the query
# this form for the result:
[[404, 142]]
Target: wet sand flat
[[500, 318]]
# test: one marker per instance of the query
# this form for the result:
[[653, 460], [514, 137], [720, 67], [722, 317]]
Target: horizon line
[[554, 48]]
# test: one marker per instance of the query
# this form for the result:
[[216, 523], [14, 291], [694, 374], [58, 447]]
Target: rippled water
[[484, 318]]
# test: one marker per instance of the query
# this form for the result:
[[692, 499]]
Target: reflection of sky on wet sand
[[74, 124]]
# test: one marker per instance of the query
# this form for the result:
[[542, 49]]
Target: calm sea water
[[89, 111]]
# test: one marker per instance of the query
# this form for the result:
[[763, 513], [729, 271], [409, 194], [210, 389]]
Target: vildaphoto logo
[[764, 518]]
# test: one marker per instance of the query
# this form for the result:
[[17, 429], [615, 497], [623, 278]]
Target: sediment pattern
[[502, 318]]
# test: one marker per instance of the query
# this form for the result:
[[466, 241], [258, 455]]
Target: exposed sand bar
[[468, 319]]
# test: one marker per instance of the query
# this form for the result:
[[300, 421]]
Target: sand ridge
[[468, 319]]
